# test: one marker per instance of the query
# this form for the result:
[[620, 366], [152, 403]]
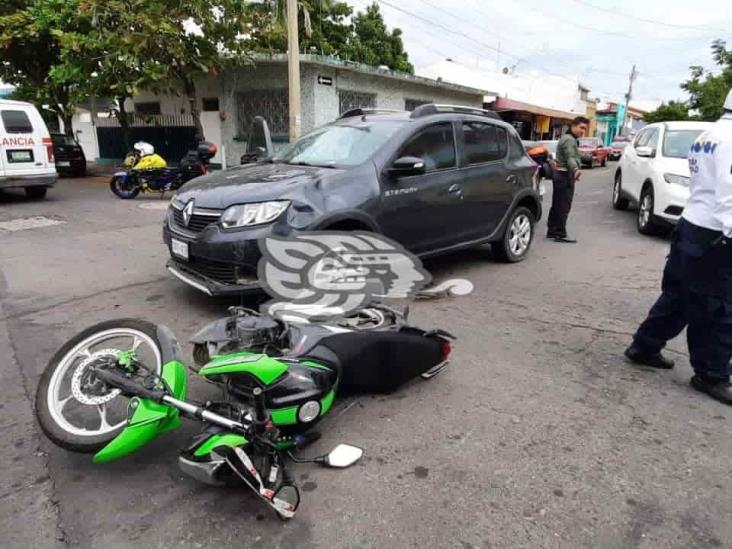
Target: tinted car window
[[652, 140], [435, 145], [62, 139], [677, 143], [16, 122], [484, 142], [641, 138]]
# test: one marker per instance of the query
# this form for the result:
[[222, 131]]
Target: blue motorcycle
[[128, 183]]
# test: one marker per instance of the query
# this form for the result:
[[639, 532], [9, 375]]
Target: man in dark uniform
[[697, 281], [566, 172]]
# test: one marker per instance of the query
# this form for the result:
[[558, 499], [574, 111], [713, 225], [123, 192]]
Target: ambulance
[[26, 150]]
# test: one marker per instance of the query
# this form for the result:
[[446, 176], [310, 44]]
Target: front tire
[[123, 189], [516, 241], [36, 192], [646, 221], [61, 410], [619, 201]]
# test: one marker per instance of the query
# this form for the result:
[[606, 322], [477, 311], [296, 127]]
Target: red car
[[593, 152]]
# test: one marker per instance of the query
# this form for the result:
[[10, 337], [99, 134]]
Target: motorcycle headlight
[[246, 215], [309, 411], [676, 179]]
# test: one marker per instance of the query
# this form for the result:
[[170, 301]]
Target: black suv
[[436, 180]]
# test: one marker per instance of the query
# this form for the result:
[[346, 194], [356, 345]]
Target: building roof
[[333, 62], [504, 104]]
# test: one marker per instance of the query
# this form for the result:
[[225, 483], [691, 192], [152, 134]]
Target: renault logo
[[188, 212]]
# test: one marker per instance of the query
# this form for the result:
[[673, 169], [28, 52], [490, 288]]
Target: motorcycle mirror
[[286, 500], [343, 455]]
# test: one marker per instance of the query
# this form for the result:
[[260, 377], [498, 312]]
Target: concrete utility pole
[[628, 96], [293, 70]]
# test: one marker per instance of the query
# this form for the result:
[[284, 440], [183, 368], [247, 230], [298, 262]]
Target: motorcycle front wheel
[[75, 409], [123, 188]]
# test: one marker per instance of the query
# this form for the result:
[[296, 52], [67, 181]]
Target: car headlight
[[677, 179], [246, 215]]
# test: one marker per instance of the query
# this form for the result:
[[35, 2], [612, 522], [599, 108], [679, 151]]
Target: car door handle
[[512, 179], [455, 188]]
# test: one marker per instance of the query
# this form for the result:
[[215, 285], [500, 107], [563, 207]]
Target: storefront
[[533, 122]]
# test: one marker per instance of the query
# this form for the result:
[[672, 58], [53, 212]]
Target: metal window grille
[[348, 99], [271, 104]]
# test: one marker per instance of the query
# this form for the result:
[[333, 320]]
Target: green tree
[[330, 28], [28, 53], [673, 110], [708, 91], [373, 44]]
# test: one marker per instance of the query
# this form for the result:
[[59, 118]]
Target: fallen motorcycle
[[278, 379], [130, 182]]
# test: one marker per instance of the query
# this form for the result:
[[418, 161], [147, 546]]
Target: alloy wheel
[[519, 236]]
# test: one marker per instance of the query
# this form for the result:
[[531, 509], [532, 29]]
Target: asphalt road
[[538, 435]]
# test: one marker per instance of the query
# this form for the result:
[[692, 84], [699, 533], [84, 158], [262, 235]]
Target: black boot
[[718, 389], [565, 239], [657, 360]]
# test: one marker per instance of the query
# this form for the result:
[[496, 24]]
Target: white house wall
[[319, 102]]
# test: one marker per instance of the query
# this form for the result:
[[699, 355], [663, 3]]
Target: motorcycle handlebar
[[128, 386]]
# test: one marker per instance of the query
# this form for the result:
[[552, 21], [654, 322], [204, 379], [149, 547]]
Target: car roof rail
[[361, 112], [436, 108]]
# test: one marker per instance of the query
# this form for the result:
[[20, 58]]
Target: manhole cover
[[27, 223]]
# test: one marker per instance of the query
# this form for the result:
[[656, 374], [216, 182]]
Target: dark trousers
[[562, 196], [697, 294]]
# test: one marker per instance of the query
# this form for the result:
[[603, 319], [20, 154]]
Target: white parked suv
[[26, 149], [654, 173]]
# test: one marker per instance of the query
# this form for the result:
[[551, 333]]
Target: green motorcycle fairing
[[147, 418], [267, 370], [263, 367]]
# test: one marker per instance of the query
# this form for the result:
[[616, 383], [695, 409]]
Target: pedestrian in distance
[[697, 279], [566, 173]]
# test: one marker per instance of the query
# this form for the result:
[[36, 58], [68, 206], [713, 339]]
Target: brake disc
[[80, 379]]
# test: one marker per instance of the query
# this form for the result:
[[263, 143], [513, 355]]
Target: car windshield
[[619, 144], [337, 145], [60, 139], [588, 142], [677, 143]]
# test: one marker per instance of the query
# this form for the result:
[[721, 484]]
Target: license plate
[[179, 248], [20, 156], [63, 164]]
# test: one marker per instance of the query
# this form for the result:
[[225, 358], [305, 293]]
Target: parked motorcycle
[[277, 379], [130, 182]]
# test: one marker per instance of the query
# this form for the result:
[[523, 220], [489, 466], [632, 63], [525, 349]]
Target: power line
[[467, 37], [596, 30], [652, 21]]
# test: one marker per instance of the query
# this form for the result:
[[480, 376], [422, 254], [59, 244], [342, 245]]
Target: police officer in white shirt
[[697, 280]]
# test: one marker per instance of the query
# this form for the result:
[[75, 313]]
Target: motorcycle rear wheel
[[60, 407], [123, 189]]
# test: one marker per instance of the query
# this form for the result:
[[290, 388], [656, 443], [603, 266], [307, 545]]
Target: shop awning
[[504, 104]]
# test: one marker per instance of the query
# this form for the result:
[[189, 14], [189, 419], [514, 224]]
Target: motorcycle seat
[[378, 361]]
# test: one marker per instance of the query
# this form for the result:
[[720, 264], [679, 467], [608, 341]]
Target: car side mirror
[[407, 165], [645, 152]]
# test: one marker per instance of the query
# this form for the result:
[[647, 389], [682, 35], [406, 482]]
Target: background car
[[654, 173], [70, 159], [593, 151], [26, 151], [435, 180], [617, 147]]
